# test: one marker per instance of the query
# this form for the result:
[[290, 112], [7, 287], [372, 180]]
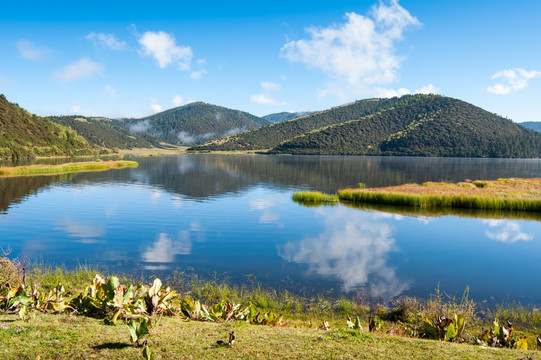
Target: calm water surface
[[232, 217]]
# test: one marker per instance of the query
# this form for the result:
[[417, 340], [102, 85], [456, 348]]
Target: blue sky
[[131, 59]]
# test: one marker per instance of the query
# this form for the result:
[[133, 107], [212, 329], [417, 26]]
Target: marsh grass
[[314, 197], [65, 168], [502, 194]]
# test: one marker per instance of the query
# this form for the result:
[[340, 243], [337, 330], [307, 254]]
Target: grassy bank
[[501, 194], [74, 314], [314, 197], [65, 168]]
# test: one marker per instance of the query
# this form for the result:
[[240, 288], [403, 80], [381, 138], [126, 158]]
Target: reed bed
[[65, 168], [314, 197], [501, 194]]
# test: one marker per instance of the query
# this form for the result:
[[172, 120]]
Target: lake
[[231, 217]]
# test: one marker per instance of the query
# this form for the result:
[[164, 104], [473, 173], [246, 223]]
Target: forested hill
[[533, 125], [282, 116], [105, 132], [427, 125], [195, 123], [26, 135], [268, 137]]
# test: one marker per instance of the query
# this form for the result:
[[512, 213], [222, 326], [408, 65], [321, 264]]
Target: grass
[[76, 337], [501, 194], [63, 336], [64, 168], [314, 197]]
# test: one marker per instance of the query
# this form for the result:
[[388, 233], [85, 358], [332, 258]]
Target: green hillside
[[105, 132], [282, 116], [24, 135], [533, 125], [268, 137], [195, 123], [426, 125]]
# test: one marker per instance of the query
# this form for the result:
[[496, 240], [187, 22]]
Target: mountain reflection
[[206, 176], [353, 248]]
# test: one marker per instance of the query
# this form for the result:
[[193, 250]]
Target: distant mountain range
[[282, 116], [416, 125], [195, 123], [533, 125]]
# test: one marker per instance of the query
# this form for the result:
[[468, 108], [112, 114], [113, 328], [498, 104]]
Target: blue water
[[233, 217]]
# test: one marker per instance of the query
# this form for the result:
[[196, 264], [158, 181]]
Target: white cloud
[[107, 41], [84, 67], [155, 106], [177, 100], [196, 75], [387, 93], [162, 47], [506, 231], [264, 99], [31, 51], [269, 85], [109, 90], [77, 110], [513, 80], [358, 54]]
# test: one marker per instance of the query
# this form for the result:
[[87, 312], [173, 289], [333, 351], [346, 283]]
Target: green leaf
[[451, 332], [459, 324], [430, 330], [132, 326], [147, 355]]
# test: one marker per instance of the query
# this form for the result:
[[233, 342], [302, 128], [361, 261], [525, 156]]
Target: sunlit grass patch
[[314, 197], [65, 168]]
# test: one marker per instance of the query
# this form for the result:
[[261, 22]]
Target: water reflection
[[353, 248], [84, 233], [164, 249], [506, 231]]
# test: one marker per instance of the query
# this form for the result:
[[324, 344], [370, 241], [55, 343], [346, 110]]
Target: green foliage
[[139, 328], [25, 135], [447, 329], [421, 125], [105, 132], [65, 168], [195, 123], [269, 137], [502, 335]]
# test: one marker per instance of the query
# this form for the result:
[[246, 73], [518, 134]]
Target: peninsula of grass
[[314, 197], [65, 168], [502, 194]]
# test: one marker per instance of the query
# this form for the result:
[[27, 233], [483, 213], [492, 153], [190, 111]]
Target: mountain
[[268, 137], [282, 116], [415, 125], [23, 135], [105, 132], [430, 125], [195, 123], [533, 125]]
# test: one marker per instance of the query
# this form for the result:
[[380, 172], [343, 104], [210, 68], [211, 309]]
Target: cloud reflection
[[164, 250], [506, 231], [353, 248], [85, 233]]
